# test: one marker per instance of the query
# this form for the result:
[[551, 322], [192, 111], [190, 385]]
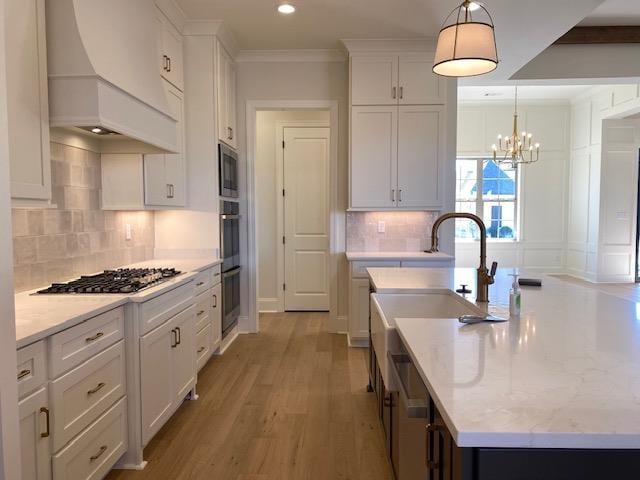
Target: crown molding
[[291, 56], [213, 28], [173, 12], [421, 44]]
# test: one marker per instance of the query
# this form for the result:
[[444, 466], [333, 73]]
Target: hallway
[[288, 403]]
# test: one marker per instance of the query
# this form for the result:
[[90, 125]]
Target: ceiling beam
[[600, 35]]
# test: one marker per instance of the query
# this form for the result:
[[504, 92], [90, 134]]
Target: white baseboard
[[268, 305], [357, 342]]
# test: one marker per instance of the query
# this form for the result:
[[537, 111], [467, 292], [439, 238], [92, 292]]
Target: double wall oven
[[229, 238]]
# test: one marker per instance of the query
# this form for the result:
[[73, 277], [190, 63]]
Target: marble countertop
[[38, 316], [565, 374], [398, 256]]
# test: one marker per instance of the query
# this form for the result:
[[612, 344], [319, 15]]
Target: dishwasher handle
[[414, 407]]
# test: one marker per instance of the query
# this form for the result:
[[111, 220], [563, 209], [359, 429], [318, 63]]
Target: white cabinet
[[396, 157], [171, 56], [226, 93], [359, 310], [34, 436], [167, 370], [27, 101], [405, 79], [151, 181], [374, 80], [374, 153], [420, 154], [165, 175], [216, 316]]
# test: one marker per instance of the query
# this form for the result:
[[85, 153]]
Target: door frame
[[280, 254], [253, 106]]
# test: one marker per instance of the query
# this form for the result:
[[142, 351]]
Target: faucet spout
[[484, 276]]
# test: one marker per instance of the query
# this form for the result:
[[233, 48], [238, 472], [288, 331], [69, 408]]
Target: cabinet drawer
[[203, 346], [32, 370], [203, 310], [71, 347], [160, 309], [216, 274], [359, 269], [83, 394], [202, 282], [95, 451]]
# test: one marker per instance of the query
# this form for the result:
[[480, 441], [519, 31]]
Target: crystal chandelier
[[518, 148]]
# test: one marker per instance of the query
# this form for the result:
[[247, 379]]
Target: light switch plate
[[127, 231], [382, 226]]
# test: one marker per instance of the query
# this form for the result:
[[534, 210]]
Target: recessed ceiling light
[[286, 8], [96, 130]]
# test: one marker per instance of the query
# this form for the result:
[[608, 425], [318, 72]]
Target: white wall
[[9, 433], [602, 184], [295, 80], [268, 199], [542, 198]]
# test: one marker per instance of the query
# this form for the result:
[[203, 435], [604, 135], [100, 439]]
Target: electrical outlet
[[382, 226], [127, 231]]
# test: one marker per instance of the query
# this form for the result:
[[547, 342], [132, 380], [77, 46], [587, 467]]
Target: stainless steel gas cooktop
[[123, 280]]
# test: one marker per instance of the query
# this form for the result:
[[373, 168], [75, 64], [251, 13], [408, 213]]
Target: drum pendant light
[[468, 46]]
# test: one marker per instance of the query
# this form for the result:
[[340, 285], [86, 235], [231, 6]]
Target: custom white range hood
[[103, 70]]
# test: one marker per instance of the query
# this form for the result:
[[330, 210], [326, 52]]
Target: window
[[495, 202]]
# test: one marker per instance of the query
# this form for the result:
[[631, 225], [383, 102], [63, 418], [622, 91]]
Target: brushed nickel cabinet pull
[[94, 337], [23, 373], [96, 389], [200, 350], [45, 410], [97, 455]]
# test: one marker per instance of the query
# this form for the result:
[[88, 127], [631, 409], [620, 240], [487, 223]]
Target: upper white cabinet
[[27, 101], [226, 96], [171, 56], [150, 181], [420, 154], [374, 153], [396, 156], [165, 175], [405, 79]]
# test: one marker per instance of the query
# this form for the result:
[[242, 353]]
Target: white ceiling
[[614, 12], [524, 28], [525, 92]]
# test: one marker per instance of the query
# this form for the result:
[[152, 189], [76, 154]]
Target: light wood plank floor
[[287, 403]]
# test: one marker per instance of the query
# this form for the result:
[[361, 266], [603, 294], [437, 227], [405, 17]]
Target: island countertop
[[565, 374]]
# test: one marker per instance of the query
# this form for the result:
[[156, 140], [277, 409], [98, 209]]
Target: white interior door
[[306, 218]]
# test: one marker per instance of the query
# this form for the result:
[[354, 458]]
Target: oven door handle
[[231, 273], [230, 217]]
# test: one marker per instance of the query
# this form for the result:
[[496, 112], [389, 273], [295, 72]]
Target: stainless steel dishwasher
[[410, 415]]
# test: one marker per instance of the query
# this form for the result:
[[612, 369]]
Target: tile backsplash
[[76, 237], [404, 231]]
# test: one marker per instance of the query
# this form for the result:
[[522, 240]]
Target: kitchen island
[[552, 394]]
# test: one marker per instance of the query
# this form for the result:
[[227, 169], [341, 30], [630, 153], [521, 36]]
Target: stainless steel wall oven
[[230, 253]]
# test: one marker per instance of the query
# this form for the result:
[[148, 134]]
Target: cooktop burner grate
[[123, 280]]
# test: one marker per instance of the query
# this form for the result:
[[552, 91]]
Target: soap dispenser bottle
[[514, 297]]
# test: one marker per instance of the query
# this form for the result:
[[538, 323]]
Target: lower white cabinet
[[35, 449], [167, 370], [216, 316], [359, 310], [93, 453]]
